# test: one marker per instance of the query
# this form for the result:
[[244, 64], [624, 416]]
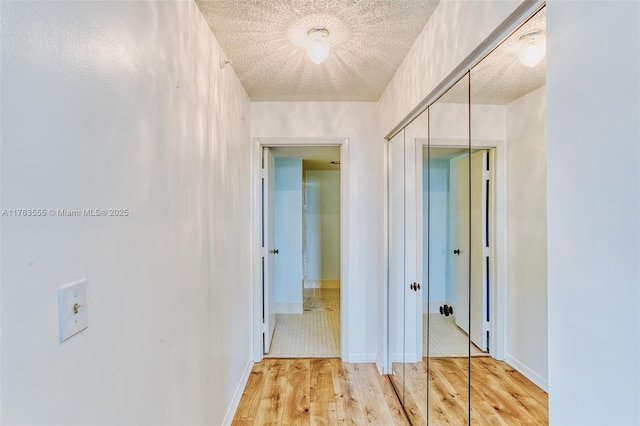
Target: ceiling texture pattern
[[265, 41]]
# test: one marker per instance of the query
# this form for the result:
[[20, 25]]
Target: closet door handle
[[274, 251], [457, 251]]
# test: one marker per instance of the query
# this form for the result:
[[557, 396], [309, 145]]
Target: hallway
[[329, 392], [317, 392], [139, 110]]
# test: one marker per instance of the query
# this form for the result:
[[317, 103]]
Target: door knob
[[274, 251], [457, 251]]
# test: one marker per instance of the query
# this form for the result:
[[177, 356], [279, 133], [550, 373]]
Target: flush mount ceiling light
[[532, 48], [318, 44]]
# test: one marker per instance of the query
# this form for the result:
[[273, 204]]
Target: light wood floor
[[328, 392], [500, 395], [317, 392]]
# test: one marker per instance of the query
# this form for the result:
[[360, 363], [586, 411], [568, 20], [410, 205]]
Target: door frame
[[498, 223], [258, 144]]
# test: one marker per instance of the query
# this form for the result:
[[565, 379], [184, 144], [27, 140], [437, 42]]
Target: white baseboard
[[289, 308], [433, 307], [379, 364], [237, 396], [362, 357], [321, 283], [397, 357], [527, 372], [412, 357]]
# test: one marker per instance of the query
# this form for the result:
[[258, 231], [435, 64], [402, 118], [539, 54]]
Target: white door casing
[[257, 290], [497, 219], [268, 249]]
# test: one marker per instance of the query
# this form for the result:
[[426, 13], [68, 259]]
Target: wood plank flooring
[[326, 391], [320, 391], [500, 395]]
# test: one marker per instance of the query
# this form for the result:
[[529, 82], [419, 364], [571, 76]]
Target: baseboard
[[540, 381], [433, 307], [321, 283], [288, 308], [412, 357], [362, 357], [379, 364], [397, 357], [237, 396]]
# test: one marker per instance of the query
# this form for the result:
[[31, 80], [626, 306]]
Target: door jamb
[[256, 229]]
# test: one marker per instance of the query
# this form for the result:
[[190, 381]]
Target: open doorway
[[302, 239], [459, 274]]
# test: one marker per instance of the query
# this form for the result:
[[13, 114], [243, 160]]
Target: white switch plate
[[72, 308]]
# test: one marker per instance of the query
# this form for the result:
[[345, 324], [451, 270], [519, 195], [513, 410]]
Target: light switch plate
[[72, 308]]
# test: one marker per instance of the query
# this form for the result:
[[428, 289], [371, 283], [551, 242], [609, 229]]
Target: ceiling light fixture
[[318, 45], [532, 48]]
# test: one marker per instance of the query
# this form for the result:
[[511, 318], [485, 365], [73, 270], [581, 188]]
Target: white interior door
[[470, 283], [268, 253]]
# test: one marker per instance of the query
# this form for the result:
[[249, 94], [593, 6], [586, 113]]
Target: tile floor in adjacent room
[[313, 334], [447, 339]]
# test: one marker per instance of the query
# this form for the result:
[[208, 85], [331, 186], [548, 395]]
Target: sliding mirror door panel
[[416, 291], [446, 165], [508, 293], [396, 261]]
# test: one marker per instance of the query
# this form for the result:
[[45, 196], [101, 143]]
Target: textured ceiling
[[500, 78], [368, 38]]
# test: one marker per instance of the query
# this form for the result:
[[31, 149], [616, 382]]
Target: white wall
[[323, 224], [593, 163], [288, 235], [123, 105], [365, 170], [526, 316]]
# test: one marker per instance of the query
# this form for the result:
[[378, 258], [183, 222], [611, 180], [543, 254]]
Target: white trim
[[379, 364], [256, 213], [321, 283], [536, 378], [363, 357], [289, 308], [498, 327], [384, 304], [237, 395]]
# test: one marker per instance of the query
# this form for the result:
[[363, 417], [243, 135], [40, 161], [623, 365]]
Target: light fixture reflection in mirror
[[318, 47], [532, 48]]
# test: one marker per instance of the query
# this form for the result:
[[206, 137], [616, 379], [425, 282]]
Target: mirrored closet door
[[467, 180]]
